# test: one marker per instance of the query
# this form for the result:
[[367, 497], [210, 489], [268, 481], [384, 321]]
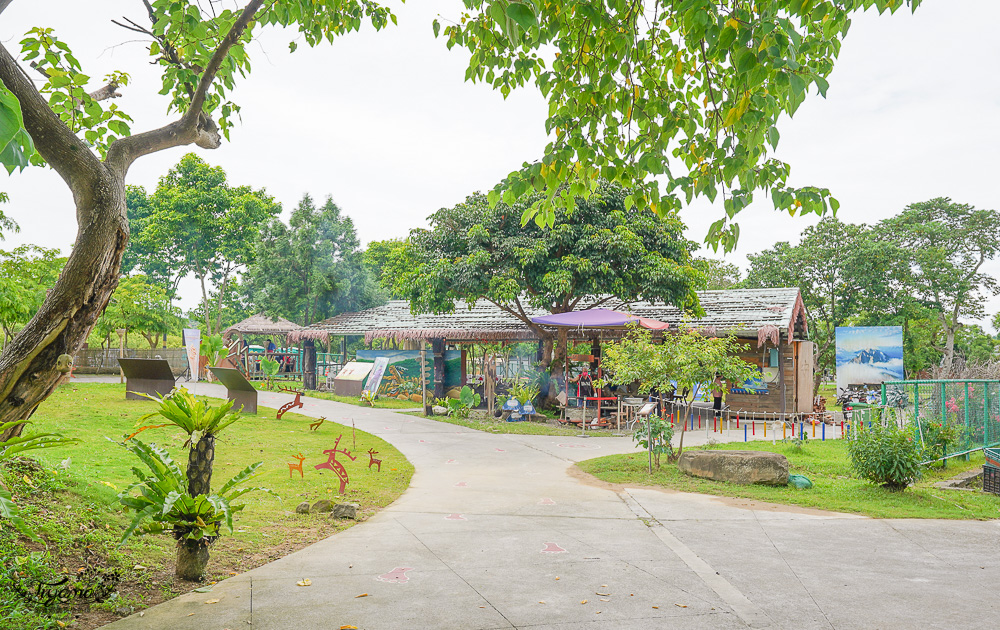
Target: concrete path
[[497, 532]]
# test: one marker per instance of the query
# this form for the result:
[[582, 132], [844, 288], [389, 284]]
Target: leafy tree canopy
[[138, 305], [206, 226], [949, 243], [844, 272], [688, 93], [717, 274], [599, 251], [391, 262], [26, 273], [312, 268]]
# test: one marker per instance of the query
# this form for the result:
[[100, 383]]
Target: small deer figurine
[[316, 425], [373, 460], [298, 467]]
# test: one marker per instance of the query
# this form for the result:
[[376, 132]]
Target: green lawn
[[829, 391], [826, 465], [380, 403], [75, 509], [513, 428]]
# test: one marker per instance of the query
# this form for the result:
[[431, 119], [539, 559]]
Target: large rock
[[746, 467], [302, 508], [323, 505], [346, 510]]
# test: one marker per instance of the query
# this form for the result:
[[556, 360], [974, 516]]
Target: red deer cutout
[[371, 459], [334, 465], [292, 405]]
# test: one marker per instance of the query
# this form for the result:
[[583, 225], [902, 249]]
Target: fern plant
[[10, 448], [202, 423], [162, 503]]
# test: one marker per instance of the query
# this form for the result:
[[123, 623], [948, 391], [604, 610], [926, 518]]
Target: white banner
[[192, 345]]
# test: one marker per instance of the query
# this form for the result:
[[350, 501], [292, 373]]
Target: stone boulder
[[346, 510], [323, 505], [302, 508], [744, 467]]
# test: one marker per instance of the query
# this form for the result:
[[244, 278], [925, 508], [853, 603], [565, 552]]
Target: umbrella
[[598, 318]]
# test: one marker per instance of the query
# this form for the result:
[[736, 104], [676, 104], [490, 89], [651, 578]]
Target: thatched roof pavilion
[[261, 324], [748, 313]]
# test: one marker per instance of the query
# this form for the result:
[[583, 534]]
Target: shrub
[[886, 455], [661, 431]]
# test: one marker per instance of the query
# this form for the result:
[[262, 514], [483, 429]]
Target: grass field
[[71, 499], [826, 465], [380, 402]]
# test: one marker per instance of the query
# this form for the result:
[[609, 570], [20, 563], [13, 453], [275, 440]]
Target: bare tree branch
[[194, 126], [108, 91], [4, 4]]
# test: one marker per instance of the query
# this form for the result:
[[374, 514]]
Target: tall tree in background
[[601, 251], [140, 306], [949, 243], [312, 268], [715, 77], [211, 227], [717, 274], [145, 254], [26, 273], [843, 271], [391, 262]]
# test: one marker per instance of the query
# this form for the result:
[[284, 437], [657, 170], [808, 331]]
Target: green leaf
[[523, 15], [10, 511], [239, 478]]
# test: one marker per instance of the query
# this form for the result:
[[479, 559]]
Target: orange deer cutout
[[316, 425], [373, 460], [293, 467]]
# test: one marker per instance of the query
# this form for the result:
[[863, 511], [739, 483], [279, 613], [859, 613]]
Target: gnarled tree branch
[[194, 126]]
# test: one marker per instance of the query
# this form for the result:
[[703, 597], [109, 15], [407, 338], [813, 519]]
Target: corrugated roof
[[746, 312]]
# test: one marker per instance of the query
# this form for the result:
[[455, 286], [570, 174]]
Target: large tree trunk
[[28, 371]]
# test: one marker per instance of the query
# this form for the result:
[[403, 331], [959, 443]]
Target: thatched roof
[[261, 324], [746, 312]]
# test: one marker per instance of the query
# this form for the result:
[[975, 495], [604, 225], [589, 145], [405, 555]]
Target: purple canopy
[[598, 318]]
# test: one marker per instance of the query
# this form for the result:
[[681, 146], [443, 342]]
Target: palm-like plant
[[10, 448], [202, 423], [164, 505]]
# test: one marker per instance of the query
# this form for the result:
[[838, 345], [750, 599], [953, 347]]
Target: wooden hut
[[772, 323]]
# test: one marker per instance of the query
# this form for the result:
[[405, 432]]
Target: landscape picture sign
[[868, 355]]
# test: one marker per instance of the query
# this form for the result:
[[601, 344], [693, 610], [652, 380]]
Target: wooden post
[[309, 364], [121, 352], [423, 378], [437, 349]]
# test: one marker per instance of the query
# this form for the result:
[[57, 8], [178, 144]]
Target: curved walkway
[[496, 532]]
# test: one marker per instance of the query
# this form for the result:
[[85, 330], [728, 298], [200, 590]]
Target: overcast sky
[[385, 124]]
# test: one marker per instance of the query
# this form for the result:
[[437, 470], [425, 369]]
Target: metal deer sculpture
[[332, 463], [293, 467], [297, 403], [373, 461]]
